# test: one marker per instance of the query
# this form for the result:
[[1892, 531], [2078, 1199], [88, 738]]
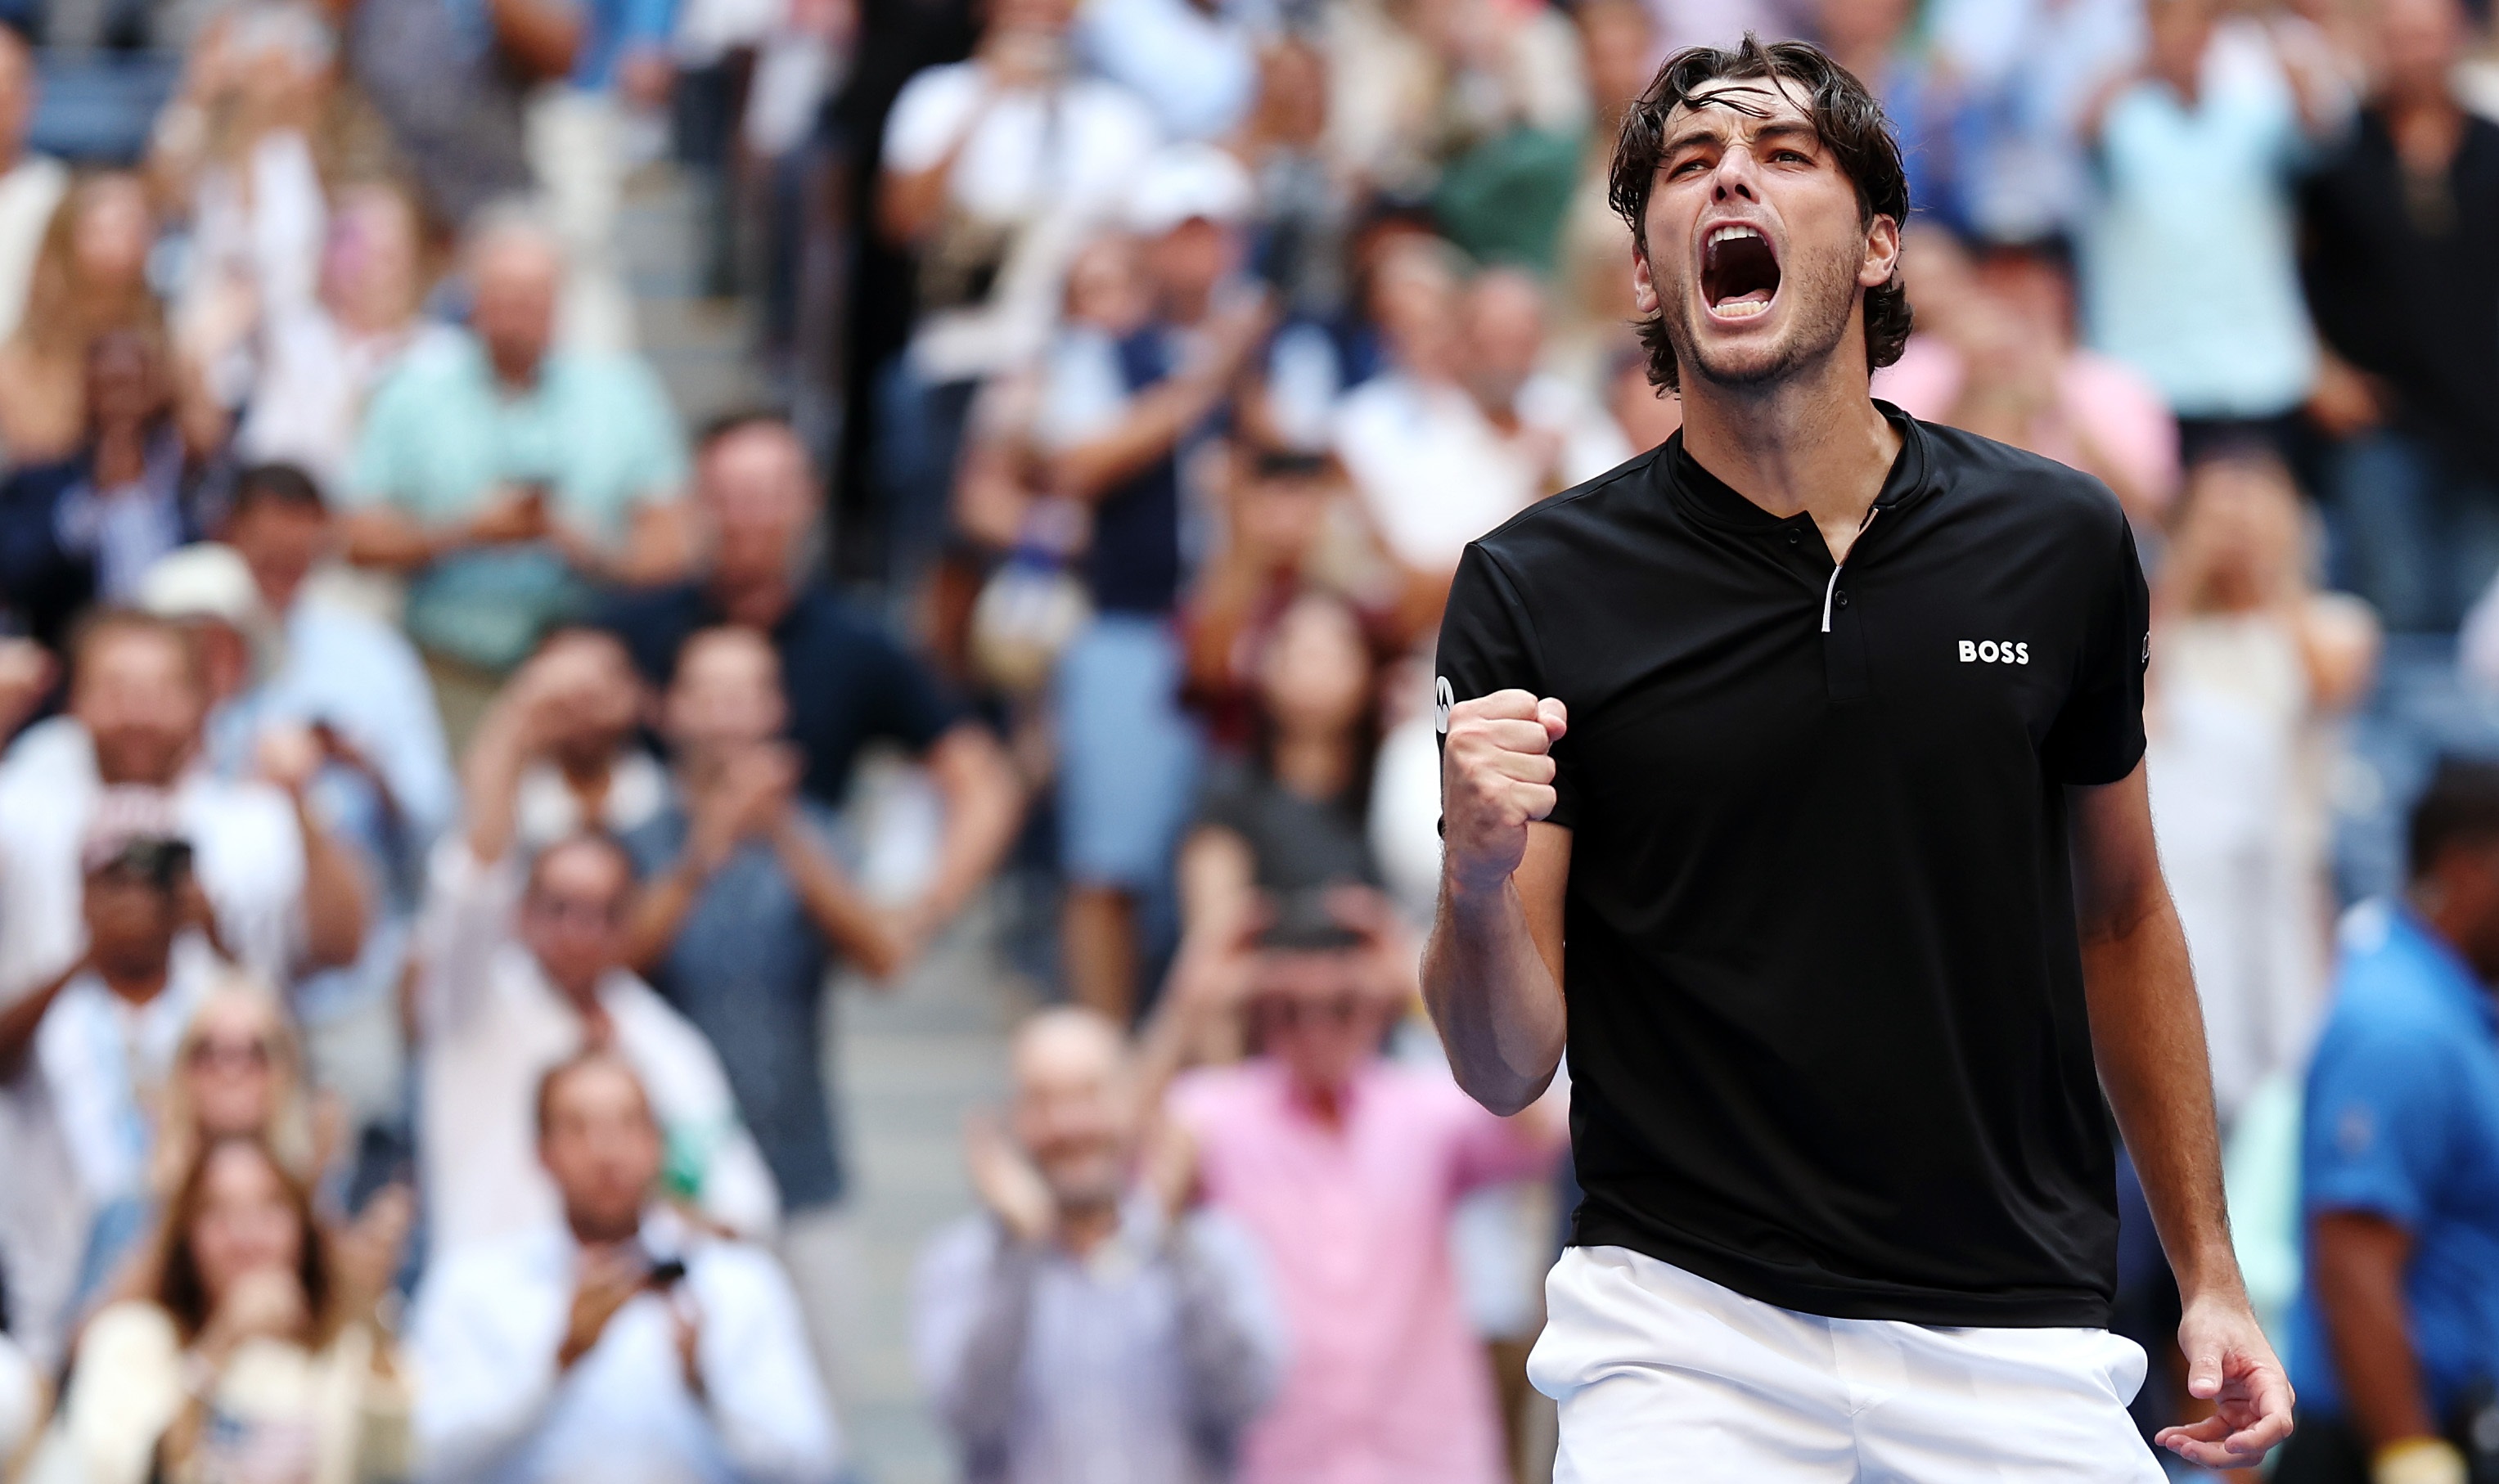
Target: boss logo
[[1994, 651]]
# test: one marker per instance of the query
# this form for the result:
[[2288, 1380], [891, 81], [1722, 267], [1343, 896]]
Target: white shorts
[[1664, 1377]]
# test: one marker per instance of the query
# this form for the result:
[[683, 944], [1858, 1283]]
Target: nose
[[1736, 179]]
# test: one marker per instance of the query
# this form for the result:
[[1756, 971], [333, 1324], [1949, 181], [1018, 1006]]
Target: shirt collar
[[2449, 975], [1713, 501]]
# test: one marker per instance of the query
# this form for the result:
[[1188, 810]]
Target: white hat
[[207, 579], [1186, 182]]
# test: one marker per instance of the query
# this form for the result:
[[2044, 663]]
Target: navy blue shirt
[[848, 682], [2402, 1123], [748, 969]]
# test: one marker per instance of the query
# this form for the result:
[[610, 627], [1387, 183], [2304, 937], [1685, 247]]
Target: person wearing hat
[[96, 1043], [1120, 418]]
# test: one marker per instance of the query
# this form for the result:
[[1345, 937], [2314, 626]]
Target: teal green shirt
[[442, 436]]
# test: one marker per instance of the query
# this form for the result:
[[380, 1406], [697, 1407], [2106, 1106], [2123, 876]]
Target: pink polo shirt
[[1385, 1384]]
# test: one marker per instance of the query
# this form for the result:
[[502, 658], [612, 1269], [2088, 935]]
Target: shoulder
[[1208, 1099], [432, 364], [1980, 476], [1566, 521]]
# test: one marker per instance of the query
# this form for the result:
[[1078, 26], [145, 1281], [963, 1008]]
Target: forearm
[[1498, 1007], [983, 803], [496, 759], [2148, 1037], [2356, 1274], [18, 1023], [659, 913], [1153, 425], [336, 902], [835, 906], [393, 541]]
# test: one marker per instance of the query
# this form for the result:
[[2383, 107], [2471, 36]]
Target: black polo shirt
[[1828, 1038]]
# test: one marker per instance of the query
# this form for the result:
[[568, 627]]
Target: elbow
[[1503, 1091]]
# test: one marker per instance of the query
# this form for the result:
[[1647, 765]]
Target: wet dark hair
[[2458, 811], [1842, 111]]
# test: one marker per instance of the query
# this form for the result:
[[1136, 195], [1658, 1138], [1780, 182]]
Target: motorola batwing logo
[[1443, 698]]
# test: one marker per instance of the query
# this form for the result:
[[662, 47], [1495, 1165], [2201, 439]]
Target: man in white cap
[[1119, 418]]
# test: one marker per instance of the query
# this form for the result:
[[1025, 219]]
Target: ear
[[1644, 297], [1882, 253]]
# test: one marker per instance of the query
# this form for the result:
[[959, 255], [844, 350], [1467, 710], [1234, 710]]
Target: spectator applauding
[[2398, 1333], [844, 679], [617, 1342], [588, 772], [1347, 1167], [501, 471], [244, 1361], [745, 912], [1081, 1330], [524, 966]]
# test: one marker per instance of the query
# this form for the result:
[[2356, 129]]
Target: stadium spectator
[[31, 183], [2189, 255], [581, 150], [1088, 1325], [84, 528], [745, 911], [1556, 427], [614, 1337], [522, 965], [845, 681], [454, 87], [1120, 422], [247, 1358], [1347, 1168], [588, 770], [995, 170], [99, 1042], [320, 360], [2396, 1333], [90, 278], [505, 472], [2411, 198], [2249, 663]]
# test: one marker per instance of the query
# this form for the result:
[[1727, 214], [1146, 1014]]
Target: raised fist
[[1496, 777]]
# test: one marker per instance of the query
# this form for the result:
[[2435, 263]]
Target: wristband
[[2418, 1461]]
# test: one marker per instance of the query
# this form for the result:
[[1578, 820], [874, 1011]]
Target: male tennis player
[[1816, 736]]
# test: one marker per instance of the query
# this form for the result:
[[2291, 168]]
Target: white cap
[[1188, 183], [204, 580]]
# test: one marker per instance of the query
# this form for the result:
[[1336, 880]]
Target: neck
[[137, 986], [515, 373], [758, 603], [1324, 1101], [593, 1231], [587, 773], [1818, 446], [1084, 1228], [120, 454], [2428, 125], [1314, 765]]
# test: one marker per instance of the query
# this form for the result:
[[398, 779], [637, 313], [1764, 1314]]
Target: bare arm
[[2356, 1266], [20, 1022], [336, 902], [1157, 420], [984, 808], [833, 904], [1492, 971], [2147, 1037], [544, 38]]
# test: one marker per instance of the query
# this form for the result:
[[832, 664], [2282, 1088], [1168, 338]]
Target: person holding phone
[[624, 1341]]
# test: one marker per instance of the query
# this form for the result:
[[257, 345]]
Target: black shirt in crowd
[[1828, 1038], [2403, 277]]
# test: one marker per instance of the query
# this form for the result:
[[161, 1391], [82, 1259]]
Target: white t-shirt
[[1055, 161], [493, 1025], [104, 1062], [29, 193]]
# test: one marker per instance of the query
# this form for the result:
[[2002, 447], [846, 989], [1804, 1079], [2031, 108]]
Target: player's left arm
[[2148, 1037]]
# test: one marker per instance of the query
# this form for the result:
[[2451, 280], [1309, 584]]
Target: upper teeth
[[1729, 233]]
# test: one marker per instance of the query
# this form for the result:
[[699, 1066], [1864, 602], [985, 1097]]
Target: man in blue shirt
[[744, 910], [2399, 1323]]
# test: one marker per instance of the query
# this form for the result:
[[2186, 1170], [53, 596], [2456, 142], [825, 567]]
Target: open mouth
[[1740, 273]]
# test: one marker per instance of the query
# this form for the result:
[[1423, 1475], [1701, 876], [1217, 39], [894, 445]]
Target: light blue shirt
[[494, 1409], [2402, 1123], [2189, 261], [443, 436], [363, 678], [1199, 72]]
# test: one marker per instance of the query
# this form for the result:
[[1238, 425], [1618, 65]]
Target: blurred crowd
[[432, 819]]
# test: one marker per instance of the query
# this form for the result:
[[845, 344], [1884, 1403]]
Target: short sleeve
[[2097, 738], [1488, 644], [926, 116], [2374, 1128]]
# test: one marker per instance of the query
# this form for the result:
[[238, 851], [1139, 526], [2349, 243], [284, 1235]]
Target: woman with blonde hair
[[243, 1360]]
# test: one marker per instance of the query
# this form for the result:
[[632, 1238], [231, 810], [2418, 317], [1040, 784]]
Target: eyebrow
[[1702, 134]]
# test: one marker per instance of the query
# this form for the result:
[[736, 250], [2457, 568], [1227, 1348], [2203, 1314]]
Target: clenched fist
[[1496, 777]]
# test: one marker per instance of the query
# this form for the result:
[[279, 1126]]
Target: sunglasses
[[251, 1056]]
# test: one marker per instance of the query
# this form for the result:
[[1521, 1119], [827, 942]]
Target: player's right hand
[[1496, 777]]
